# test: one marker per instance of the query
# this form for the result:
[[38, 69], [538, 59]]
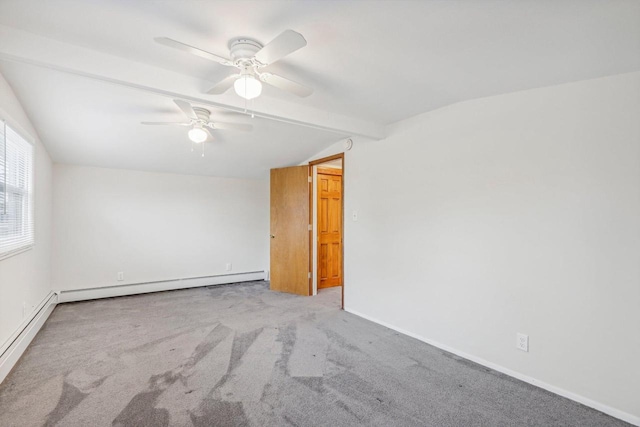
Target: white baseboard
[[17, 343], [632, 419], [70, 295]]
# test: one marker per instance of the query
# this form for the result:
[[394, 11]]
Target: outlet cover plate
[[522, 342]]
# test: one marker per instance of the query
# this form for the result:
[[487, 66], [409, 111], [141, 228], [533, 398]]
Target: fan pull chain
[[203, 149], [245, 99]]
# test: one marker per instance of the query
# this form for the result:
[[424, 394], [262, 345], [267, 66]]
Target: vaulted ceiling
[[88, 72]]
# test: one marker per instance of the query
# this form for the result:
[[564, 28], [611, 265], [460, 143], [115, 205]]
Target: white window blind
[[16, 192]]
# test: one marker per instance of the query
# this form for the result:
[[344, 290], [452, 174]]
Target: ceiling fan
[[200, 122], [250, 57]]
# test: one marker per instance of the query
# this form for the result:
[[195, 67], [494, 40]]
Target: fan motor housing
[[244, 48], [202, 113]]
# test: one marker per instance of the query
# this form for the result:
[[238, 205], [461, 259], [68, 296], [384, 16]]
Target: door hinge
[[310, 179], [309, 275], [310, 227]]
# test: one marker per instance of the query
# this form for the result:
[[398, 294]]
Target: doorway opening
[[327, 224]]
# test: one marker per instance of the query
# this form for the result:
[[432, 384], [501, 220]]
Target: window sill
[[15, 252]]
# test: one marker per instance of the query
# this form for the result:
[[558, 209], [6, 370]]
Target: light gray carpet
[[240, 355]]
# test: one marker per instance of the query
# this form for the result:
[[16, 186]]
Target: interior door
[[290, 234], [329, 227]]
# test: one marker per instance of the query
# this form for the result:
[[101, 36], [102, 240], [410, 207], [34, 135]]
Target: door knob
[[273, 237]]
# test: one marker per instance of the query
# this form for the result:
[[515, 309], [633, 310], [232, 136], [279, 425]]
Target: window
[[16, 192]]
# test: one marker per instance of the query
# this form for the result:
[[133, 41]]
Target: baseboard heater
[[17, 343], [13, 348], [70, 295]]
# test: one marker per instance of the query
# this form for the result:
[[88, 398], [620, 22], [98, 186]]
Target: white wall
[[154, 226], [515, 213], [25, 277]]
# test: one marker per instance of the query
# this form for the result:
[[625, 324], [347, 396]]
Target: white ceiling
[[373, 61], [91, 123]]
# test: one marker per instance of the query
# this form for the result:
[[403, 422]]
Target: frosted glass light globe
[[197, 135], [248, 87]]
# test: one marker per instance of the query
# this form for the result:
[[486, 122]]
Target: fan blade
[[223, 86], [209, 132], [166, 123], [231, 126], [186, 108], [286, 84], [193, 50], [287, 42]]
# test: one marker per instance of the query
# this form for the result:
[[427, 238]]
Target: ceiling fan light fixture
[[247, 86], [197, 134]]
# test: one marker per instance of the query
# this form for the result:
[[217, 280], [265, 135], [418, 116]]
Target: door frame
[[312, 241]]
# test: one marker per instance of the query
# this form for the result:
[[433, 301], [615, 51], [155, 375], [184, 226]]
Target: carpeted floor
[[240, 355]]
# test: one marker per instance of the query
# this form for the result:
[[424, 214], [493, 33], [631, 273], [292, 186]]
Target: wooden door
[[329, 227], [290, 233]]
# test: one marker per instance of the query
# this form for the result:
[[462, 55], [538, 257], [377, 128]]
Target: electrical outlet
[[120, 276], [522, 342], [229, 266]]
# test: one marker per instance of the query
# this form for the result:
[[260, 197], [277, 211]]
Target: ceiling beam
[[27, 48]]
